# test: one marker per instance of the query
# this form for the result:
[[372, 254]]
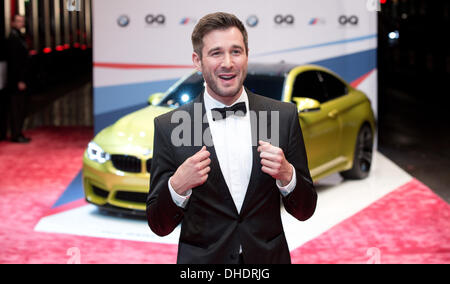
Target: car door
[[337, 103], [320, 130]]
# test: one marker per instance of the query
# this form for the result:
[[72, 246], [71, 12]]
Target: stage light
[[394, 35], [185, 98]]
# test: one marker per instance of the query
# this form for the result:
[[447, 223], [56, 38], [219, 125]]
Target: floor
[[391, 217], [414, 133]]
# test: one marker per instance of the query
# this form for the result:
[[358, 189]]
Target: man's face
[[223, 63], [19, 22]]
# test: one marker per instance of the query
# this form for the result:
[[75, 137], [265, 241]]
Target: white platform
[[337, 200]]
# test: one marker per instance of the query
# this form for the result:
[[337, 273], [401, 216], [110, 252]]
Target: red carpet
[[33, 177], [409, 225]]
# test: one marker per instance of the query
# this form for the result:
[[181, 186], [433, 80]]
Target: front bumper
[[114, 190]]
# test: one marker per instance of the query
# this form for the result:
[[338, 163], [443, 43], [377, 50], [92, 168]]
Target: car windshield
[[189, 89]]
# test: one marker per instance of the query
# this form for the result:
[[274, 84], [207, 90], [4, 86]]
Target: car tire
[[362, 159]]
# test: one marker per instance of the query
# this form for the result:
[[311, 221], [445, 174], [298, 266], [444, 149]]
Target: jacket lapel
[[215, 177], [255, 176]]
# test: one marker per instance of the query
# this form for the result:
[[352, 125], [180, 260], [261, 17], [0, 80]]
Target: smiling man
[[227, 196], [224, 64]]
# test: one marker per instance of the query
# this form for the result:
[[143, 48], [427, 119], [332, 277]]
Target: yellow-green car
[[337, 122]]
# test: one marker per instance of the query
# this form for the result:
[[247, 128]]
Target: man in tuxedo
[[18, 60], [226, 194]]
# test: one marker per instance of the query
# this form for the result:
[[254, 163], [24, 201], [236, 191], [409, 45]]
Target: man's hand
[[274, 163], [192, 173], [21, 86]]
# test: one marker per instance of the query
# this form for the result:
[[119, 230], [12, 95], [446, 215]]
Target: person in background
[[4, 101], [3, 113], [18, 61], [3, 116]]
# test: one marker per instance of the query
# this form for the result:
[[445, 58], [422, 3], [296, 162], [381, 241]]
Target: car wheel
[[362, 160]]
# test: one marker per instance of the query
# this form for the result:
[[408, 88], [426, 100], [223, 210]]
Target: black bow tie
[[238, 109]]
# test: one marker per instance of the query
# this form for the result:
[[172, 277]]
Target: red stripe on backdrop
[[139, 66], [361, 79]]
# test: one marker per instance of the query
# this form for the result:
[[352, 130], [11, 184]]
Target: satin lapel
[[256, 173], [215, 176]]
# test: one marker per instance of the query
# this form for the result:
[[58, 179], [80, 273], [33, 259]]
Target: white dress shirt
[[233, 145]]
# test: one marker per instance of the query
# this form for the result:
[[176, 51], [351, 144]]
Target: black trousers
[[4, 107], [18, 113], [14, 107]]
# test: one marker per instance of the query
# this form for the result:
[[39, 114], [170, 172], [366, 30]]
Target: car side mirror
[[306, 104], [155, 98]]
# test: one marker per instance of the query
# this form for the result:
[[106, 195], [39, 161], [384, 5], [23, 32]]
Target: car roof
[[283, 69], [272, 69]]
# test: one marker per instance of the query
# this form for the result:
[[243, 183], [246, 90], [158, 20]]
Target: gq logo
[[155, 19], [348, 20], [284, 19]]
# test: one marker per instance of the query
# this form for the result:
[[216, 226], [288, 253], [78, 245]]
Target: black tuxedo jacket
[[18, 59], [212, 230]]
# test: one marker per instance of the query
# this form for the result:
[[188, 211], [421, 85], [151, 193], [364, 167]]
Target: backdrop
[[142, 47]]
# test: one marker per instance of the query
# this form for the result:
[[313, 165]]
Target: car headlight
[[96, 153]]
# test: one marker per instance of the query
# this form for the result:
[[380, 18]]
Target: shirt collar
[[211, 103]]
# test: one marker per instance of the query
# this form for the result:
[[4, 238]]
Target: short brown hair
[[216, 21]]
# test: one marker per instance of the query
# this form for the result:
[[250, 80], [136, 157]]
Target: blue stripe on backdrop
[[104, 120], [351, 67], [107, 99], [112, 103]]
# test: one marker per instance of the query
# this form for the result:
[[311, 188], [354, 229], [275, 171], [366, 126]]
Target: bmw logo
[[123, 21], [252, 21]]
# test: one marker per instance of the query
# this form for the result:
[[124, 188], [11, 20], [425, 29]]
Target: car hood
[[135, 129]]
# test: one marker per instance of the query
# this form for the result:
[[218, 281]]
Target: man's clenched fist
[[192, 173], [274, 163]]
